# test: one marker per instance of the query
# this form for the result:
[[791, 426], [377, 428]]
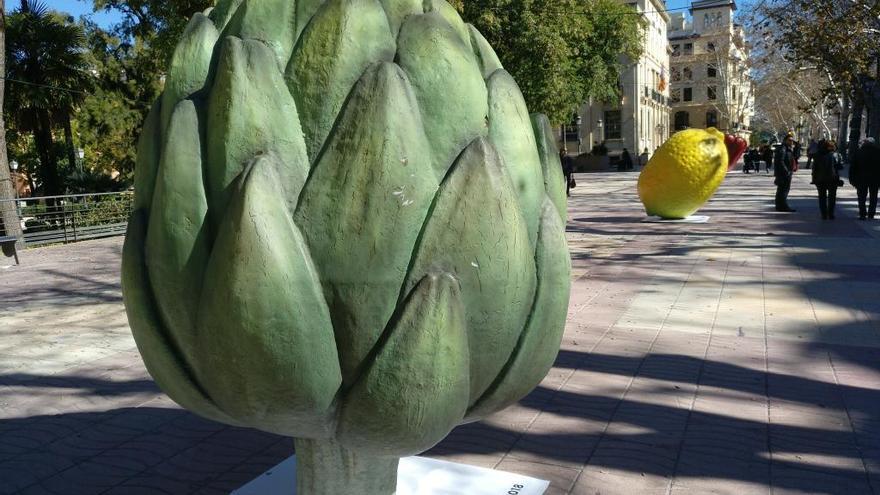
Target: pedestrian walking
[[783, 168], [643, 158], [767, 156], [755, 157], [864, 175], [812, 150], [567, 170], [626, 161], [826, 176]]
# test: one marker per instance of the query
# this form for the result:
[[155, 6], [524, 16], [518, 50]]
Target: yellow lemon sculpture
[[684, 173]]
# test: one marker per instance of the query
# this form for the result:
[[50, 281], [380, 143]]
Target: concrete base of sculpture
[[690, 219], [415, 476]]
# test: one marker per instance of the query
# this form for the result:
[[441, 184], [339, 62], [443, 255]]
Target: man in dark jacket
[[567, 169], [864, 175], [766, 155], [826, 176], [783, 168], [626, 161]]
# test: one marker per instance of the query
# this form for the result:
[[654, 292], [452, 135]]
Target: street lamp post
[[14, 166], [81, 154]]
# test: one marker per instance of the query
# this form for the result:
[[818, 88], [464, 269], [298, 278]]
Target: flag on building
[[661, 85]]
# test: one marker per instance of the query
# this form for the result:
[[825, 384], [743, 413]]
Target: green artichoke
[[347, 229]]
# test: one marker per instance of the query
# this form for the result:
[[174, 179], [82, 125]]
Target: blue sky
[[84, 7], [75, 8]]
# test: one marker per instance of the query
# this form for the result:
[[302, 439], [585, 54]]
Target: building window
[[688, 94], [711, 92], [710, 47], [688, 48], [711, 70], [676, 74], [733, 88], [675, 95], [612, 124], [682, 120], [676, 50], [712, 20], [711, 118], [687, 74]]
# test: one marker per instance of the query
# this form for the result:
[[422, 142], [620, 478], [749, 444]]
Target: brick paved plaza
[[741, 356]]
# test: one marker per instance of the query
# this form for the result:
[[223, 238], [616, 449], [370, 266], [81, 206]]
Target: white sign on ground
[[415, 476], [690, 219]]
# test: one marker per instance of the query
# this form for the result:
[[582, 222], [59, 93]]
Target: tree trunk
[[873, 129], [68, 141], [324, 467], [841, 126], [11, 224], [855, 120], [51, 183]]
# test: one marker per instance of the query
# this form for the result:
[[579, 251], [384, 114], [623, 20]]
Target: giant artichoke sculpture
[[347, 229]]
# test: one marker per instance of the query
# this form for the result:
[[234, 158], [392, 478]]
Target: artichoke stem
[[325, 467]]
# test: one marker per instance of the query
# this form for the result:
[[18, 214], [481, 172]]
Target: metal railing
[[72, 218]]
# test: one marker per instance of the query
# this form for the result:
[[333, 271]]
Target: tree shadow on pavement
[[131, 451], [681, 442]]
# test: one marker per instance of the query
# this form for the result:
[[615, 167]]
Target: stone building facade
[[640, 120], [710, 85]]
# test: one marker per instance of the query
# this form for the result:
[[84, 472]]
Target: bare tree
[[734, 90]]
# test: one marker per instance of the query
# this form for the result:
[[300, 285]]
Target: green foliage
[[128, 60], [48, 76], [45, 61], [840, 39], [153, 23], [110, 118], [560, 52]]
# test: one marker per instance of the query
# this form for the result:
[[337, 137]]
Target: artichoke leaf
[[398, 10], [476, 232], [164, 361], [178, 239], [449, 13], [448, 85], [539, 343], [342, 40], [250, 111], [149, 148], [416, 389], [272, 22], [305, 12], [510, 130], [223, 12], [486, 56], [266, 351], [190, 64], [554, 179], [364, 206]]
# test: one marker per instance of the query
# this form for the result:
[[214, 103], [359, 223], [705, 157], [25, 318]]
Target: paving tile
[[561, 478]]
